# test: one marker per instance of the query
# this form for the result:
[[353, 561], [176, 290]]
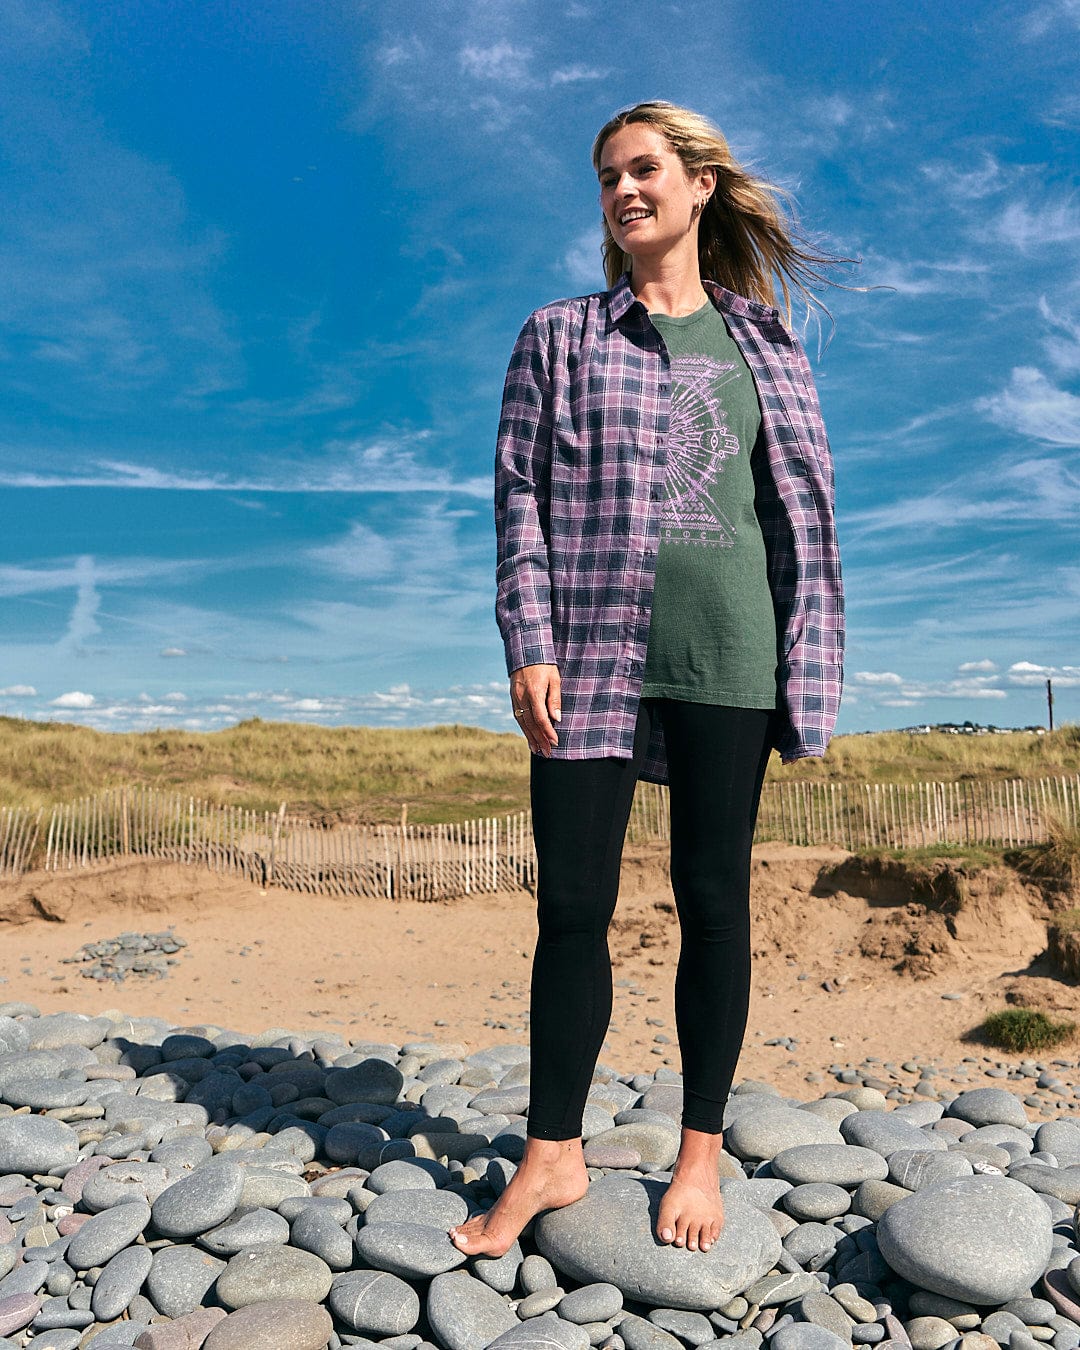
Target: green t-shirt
[[712, 637]]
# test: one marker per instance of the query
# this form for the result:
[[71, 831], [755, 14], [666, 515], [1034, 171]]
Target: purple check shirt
[[579, 484]]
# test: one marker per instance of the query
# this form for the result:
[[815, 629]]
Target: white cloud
[[963, 182], [880, 677], [501, 63], [977, 667], [1028, 673], [363, 554], [1043, 17], [1062, 345], [19, 691], [1029, 227], [75, 699], [576, 74], [173, 651], [583, 261], [1032, 406], [379, 466]]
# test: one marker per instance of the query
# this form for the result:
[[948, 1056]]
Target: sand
[[458, 971]]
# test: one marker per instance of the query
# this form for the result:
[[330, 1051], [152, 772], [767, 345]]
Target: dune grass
[[441, 773], [1057, 860], [1024, 1029]]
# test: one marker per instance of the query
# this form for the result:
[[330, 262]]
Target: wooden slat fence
[[999, 813], [19, 830], [429, 862]]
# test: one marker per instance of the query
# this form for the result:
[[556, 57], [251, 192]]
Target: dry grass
[[1056, 861], [1023, 1029], [443, 773], [900, 757]]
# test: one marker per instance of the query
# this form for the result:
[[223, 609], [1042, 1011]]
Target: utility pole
[[1050, 702]]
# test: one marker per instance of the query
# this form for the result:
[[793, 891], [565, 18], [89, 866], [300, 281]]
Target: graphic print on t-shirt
[[699, 441]]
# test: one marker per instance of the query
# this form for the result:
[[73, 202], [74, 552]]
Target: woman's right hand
[[536, 700]]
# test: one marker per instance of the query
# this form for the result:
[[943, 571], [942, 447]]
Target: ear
[[707, 180]]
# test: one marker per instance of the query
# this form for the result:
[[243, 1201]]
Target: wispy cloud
[[1030, 226], [582, 261], [1031, 406], [502, 63], [379, 466]]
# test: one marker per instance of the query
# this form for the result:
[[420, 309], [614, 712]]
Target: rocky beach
[[280, 1175]]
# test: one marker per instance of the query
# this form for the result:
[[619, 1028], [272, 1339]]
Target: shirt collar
[[621, 299]]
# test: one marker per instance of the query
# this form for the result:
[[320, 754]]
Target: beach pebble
[[591, 1303], [836, 1164], [375, 1302], [988, 1106], [981, 1239], [609, 1236], [261, 1274], [201, 1200], [765, 1131], [276, 1324], [180, 1278], [119, 1282], [17, 1310], [36, 1144], [106, 1233], [410, 1250], [464, 1313], [184, 1333], [315, 1230]]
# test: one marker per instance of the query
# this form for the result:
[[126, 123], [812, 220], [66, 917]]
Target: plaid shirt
[[579, 483]]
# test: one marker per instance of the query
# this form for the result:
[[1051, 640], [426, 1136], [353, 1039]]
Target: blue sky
[[261, 268]]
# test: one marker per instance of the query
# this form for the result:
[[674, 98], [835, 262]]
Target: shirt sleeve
[[522, 483], [813, 602]]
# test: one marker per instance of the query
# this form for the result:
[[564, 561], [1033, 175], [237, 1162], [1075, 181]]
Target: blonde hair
[[746, 242]]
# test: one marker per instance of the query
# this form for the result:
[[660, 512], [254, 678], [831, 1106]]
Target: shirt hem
[[722, 698]]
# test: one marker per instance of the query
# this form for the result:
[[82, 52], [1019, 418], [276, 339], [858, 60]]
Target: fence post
[[275, 837]]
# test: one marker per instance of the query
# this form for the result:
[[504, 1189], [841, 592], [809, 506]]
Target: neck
[[669, 285]]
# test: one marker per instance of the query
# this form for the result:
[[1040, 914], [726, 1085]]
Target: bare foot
[[551, 1174], [691, 1211]]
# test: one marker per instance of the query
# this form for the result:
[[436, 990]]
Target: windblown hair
[[746, 241]]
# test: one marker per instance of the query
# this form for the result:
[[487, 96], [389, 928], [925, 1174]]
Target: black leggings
[[716, 763]]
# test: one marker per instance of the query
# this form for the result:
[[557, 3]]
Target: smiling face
[[647, 197]]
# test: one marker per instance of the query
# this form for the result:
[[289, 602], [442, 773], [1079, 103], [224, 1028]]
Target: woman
[[669, 596]]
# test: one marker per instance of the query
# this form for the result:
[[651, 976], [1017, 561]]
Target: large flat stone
[[609, 1236], [982, 1239]]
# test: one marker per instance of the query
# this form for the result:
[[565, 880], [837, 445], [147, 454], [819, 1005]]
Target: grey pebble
[[316, 1230], [951, 1239], [258, 1227], [374, 1301], [106, 1233], [36, 1144], [119, 1282], [464, 1313], [591, 1303], [260, 1274], [201, 1200], [276, 1324], [609, 1235], [410, 1250], [180, 1278]]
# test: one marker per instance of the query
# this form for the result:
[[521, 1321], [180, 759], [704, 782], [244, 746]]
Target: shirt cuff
[[529, 645]]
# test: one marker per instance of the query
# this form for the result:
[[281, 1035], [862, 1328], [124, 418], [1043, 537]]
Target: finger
[[554, 697], [540, 724]]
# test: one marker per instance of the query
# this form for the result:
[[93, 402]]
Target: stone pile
[[174, 1188], [143, 955]]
